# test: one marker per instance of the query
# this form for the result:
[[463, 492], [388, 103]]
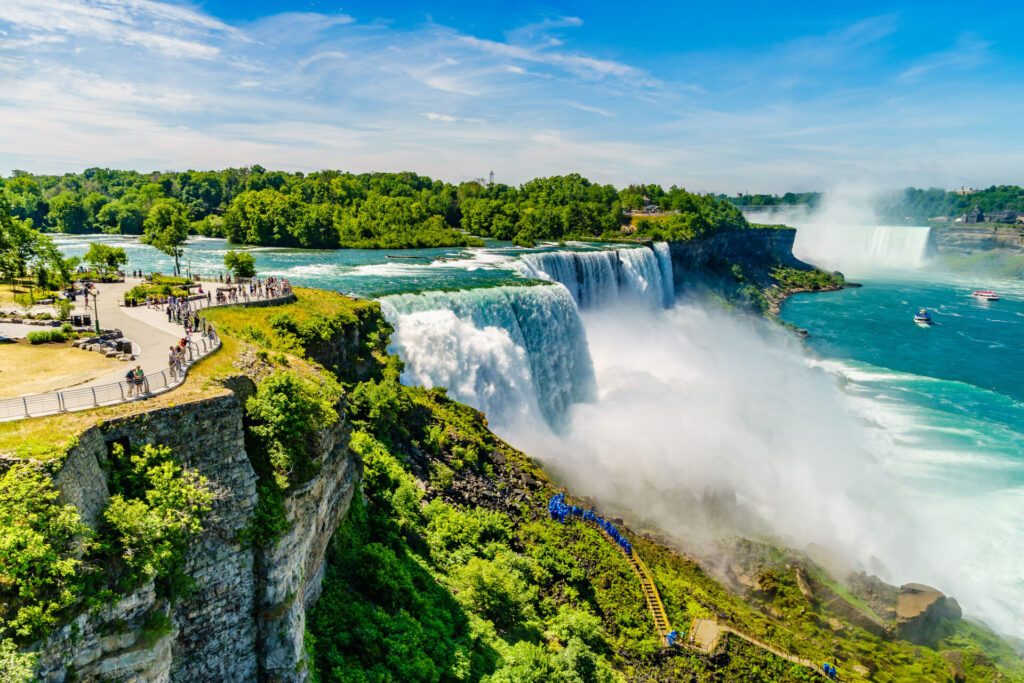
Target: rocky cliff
[[245, 618], [968, 238]]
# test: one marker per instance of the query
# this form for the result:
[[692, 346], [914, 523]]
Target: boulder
[[921, 613]]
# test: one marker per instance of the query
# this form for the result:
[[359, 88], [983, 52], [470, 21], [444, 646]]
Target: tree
[[166, 228], [240, 263], [105, 258], [67, 213]]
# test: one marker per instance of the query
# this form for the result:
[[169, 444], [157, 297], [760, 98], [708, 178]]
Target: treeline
[[917, 204], [330, 209], [811, 199], [910, 203]]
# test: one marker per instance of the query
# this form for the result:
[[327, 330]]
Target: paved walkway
[[152, 335]]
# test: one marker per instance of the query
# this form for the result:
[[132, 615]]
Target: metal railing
[[83, 398]]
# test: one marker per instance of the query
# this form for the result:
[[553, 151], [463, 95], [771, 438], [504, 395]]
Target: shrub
[[240, 263], [15, 666], [63, 307], [286, 412], [46, 337], [157, 509], [40, 545]]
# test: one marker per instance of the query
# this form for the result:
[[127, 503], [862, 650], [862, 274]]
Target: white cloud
[[304, 91], [446, 118], [171, 29]]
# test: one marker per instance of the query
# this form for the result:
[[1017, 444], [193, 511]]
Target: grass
[[35, 369], [242, 321], [48, 438]]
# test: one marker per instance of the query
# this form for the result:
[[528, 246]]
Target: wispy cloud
[[171, 29], [151, 85], [969, 51]]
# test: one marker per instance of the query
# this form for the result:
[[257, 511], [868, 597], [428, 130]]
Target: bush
[[40, 545], [286, 412], [240, 263], [15, 666], [63, 307], [47, 337], [157, 509]]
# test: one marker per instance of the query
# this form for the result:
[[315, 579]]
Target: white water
[[517, 353], [699, 421], [855, 249], [844, 234], [597, 278]]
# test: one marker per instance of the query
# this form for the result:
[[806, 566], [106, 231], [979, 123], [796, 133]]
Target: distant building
[[964, 191], [1003, 216], [975, 215]]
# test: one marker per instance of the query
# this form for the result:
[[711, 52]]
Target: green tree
[[105, 258], [240, 263], [67, 213], [166, 228]]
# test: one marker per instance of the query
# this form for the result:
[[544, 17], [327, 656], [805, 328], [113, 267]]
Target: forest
[[332, 209], [908, 204]]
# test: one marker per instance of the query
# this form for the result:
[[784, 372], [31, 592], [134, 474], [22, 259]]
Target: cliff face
[[245, 619], [756, 251], [956, 238]]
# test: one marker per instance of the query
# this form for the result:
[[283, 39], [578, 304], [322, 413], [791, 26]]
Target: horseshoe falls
[[862, 248]]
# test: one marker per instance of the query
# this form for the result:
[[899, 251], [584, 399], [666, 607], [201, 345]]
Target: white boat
[[923, 317], [985, 295]]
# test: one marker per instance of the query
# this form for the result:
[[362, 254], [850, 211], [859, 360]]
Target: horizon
[[783, 99]]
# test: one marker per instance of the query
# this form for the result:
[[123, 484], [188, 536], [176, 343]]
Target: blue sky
[[727, 97]]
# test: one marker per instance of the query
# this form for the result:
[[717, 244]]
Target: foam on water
[[601, 277], [486, 335]]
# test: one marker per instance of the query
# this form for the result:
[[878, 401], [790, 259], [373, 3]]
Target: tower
[[491, 182]]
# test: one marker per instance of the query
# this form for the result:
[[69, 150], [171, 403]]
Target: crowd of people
[[562, 511]]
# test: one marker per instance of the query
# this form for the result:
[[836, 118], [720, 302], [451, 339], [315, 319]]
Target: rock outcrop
[[958, 238], [922, 612]]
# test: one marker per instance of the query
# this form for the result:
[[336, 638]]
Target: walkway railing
[[83, 398]]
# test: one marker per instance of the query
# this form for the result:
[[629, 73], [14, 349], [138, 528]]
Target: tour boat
[[923, 317], [985, 295]]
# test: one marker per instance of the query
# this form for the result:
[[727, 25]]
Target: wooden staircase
[[650, 591]]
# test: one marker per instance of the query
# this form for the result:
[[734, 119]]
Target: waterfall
[[668, 282], [859, 248], [596, 278], [516, 353]]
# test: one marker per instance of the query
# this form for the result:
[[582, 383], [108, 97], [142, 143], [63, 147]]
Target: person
[[129, 379], [172, 363], [140, 379]]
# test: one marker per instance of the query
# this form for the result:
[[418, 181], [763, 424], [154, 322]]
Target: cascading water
[[668, 282], [516, 353], [598, 278], [862, 248]]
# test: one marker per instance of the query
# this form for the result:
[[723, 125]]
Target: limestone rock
[[921, 611]]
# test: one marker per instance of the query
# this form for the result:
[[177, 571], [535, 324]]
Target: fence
[[37, 405], [83, 398]]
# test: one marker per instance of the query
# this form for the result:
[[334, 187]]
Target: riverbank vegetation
[[330, 209]]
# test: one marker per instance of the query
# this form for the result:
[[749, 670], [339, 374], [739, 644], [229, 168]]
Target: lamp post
[[95, 307]]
